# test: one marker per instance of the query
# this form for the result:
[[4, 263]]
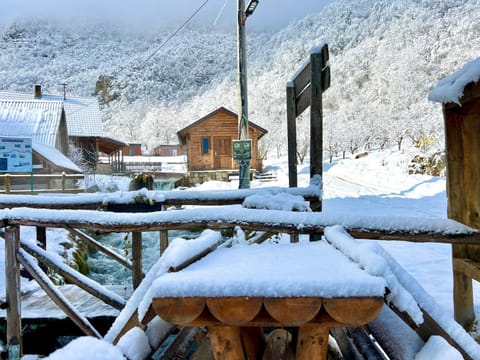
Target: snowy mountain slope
[[385, 56]]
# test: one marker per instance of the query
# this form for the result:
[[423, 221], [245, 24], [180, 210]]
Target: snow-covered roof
[[38, 120], [450, 88], [83, 114], [54, 156]]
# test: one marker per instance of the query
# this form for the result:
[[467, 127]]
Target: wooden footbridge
[[79, 215]]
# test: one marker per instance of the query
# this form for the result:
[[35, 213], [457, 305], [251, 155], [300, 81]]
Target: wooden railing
[[30, 183]]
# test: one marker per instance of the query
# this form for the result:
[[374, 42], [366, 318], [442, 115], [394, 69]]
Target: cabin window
[[205, 145], [174, 152], [165, 152], [131, 152]]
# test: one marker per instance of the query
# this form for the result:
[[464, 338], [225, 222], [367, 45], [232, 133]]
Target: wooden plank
[[226, 343], [12, 286], [98, 246], [180, 346], [303, 101], [291, 137], [302, 78], [345, 343], [76, 278], [46, 284], [365, 344], [312, 342], [137, 273], [235, 311], [316, 119], [293, 311]]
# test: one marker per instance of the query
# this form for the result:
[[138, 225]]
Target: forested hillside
[[385, 56]]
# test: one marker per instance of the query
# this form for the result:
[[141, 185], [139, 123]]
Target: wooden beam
[[57, 297], [467, 267], [312, 342], [90, 241], [137, 273], [12, 287], [82, 281], [291, 137]]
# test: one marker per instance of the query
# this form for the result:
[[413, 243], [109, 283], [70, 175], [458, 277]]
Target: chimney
[[38, 91]]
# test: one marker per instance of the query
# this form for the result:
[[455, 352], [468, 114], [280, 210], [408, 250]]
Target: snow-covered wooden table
[[237, 291]]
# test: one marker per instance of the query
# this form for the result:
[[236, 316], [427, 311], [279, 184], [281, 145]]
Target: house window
[[131, 152], [165, 152], [174, 152], [205, 145]]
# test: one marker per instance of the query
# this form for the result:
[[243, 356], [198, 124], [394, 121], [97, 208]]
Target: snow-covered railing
[[62, 183]]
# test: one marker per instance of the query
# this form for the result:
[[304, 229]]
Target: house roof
[[183, 132], [83, 114], [38, 120], [55, 157]]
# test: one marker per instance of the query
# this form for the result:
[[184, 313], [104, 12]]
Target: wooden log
[[12, 287], [354, 311], [74, 277], [90, 241], [226, 343], [253, 342], [57, 297], [180, 346], [179, 310], [137, 273], [293, 311], [7, 183], [312, 342], [234, 310]]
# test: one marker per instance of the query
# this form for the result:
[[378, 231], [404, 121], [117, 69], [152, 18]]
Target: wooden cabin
[[208, 142], [132, 150], [459, 94], [169, 150]]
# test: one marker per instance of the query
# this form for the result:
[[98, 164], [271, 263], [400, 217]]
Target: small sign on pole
[[242, 149], [15, 154]]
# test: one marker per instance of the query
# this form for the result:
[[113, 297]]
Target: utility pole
[[242, 148]]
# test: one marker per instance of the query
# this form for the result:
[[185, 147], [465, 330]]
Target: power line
[[185, 23]]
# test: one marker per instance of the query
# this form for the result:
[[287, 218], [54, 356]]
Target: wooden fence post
[[63, 181], [136, 258], [316, 121], [12, 286], [7, 184], [163, 241], [463, 307]]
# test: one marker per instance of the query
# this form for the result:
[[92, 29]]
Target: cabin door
[[222, 152]]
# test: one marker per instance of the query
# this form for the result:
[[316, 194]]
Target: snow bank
[[438, 348], [87, 347]]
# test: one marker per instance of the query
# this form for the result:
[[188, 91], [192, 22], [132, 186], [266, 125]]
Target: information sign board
[[242, 149], [15, 154]]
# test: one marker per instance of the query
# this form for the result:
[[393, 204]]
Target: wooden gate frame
[[304, 90]]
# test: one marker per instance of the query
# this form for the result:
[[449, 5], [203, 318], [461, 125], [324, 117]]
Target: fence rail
[[40, 183]]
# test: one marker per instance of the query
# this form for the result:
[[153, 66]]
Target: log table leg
[[253, 342], [312, 342], [226, 342]]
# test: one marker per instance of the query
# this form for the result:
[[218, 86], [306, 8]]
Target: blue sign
[[15, 154]]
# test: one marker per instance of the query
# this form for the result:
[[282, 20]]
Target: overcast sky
[[270, 14]]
